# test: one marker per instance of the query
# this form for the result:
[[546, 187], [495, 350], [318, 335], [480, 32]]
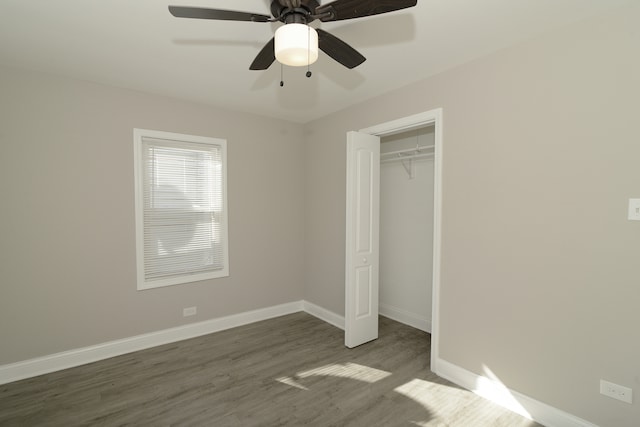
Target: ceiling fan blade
[[349, 9], [265, 57], [339, 50], [219, 14]]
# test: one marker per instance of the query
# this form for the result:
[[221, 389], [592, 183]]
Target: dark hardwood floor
[[288, 371]]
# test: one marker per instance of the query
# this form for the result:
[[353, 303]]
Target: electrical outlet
[[616, 391], [189, 311], [634, 210]]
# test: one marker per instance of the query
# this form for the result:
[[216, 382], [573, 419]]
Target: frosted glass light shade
[[296, 45]]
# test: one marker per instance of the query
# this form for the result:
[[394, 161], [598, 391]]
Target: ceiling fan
[[296, 43]]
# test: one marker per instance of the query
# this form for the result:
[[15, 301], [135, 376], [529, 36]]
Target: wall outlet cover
[[189, 311], [634, 209], [616, 391]]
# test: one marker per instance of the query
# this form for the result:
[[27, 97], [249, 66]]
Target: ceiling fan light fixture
[[296, 45]]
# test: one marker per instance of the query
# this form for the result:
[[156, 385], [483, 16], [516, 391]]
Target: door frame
[[427, 118]]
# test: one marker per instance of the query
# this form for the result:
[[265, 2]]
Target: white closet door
[[362, 253]]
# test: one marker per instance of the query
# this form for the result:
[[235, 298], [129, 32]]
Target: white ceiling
[[137, 44]]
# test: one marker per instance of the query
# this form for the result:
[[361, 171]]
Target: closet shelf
[[407, 154]]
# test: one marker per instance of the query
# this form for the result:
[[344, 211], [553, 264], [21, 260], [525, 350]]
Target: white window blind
[[182, 202]]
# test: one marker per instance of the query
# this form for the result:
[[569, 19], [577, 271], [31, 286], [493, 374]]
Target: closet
[[406, 227]]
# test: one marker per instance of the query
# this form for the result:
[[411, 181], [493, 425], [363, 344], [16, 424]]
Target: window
[[181, 208]]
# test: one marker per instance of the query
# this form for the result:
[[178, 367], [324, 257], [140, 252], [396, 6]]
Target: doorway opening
[[406, 227], [356, 289]]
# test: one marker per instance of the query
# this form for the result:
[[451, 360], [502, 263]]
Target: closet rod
[[400, 158], [408, 150]]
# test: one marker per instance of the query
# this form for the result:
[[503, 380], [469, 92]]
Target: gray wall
[[539, 263], [67, 245]]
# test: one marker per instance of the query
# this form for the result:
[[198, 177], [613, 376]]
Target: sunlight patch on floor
[[436, 398], [442, 400], [291, 382], [349, 370]]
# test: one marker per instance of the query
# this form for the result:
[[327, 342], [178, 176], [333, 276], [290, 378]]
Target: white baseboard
[[324, 314], [496, 392], [68, 359], [403, 316]]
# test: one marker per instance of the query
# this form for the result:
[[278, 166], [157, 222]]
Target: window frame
[[138, 138]]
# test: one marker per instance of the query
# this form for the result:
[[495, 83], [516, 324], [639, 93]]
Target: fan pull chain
[[281, 75], [308, 52]]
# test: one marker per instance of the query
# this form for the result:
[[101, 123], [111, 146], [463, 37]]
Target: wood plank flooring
[[288, 371]]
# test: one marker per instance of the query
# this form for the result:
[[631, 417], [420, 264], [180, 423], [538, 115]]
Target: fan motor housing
[[297, 15]]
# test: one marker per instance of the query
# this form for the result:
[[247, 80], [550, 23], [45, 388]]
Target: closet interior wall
[[406, 227]]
